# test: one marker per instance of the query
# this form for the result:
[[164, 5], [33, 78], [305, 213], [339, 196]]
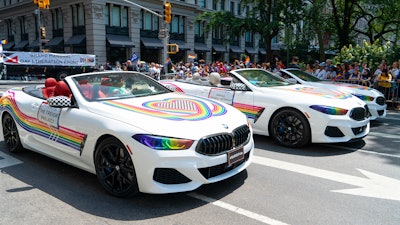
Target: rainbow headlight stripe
[[175, 109], [365, 98], [163, 143], [62, 135], [329, 110], [250, 111]]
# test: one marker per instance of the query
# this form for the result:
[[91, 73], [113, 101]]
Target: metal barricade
[[389, 89], [391, 92]]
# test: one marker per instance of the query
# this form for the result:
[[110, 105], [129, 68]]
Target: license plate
[[235, 155]]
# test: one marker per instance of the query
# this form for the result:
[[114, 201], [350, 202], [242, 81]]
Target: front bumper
[[185, 170]]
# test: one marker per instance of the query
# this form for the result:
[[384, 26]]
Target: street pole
[[166, 40], [37, 11]]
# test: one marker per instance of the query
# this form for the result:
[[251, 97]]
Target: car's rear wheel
[[114, 168], [10, 134], [290, 128]]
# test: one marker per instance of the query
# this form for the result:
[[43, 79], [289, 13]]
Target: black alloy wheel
[[114, 168], [290, 128], [10, 134]]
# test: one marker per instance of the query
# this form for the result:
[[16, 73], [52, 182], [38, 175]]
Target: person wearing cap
[[321, 71]]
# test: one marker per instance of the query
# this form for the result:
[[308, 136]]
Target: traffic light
[[167, 12], [42, 4], [42, 32], [173, 48], [46, 4]]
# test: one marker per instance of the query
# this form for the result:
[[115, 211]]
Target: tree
[[342, 13], [380, 16], [317, 16], [266, 17]]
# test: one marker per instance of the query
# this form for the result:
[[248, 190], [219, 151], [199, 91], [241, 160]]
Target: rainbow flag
[[192, 56], [4, 41], [247, 61]]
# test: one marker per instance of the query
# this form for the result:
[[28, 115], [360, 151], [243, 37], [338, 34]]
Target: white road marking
[[6, 160], [385, 135], [375, 185], [236, 209]]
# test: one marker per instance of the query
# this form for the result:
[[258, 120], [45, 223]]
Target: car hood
[[354, 89], [307, 94], [175, 114]]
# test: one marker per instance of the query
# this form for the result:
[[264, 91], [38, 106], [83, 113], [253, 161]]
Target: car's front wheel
[[10, 134], [114, 168], [290, 128]]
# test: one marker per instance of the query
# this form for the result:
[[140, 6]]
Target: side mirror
[[238, 86], [59, 101]]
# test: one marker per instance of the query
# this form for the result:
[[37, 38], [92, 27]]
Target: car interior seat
[[62, 89], [86, 88], [105, 85], [49, 86]]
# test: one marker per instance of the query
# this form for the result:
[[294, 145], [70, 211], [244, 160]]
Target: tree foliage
[[381, 17], [372, 53]]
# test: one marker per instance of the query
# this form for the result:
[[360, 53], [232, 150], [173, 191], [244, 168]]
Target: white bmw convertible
[[129, 130], [294, 115], [373, 98]]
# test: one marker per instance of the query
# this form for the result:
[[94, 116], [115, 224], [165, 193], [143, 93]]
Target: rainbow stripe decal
[[326, 94], [251, 111], [360, 87], [62, 135], [172, 86], [177, 109]]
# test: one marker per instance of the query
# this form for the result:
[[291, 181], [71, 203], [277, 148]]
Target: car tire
[[290, 128], [10, 134], [115, 169]]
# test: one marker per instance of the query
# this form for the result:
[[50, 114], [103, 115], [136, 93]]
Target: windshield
[[117, 85], [262, 78], [304, 75]]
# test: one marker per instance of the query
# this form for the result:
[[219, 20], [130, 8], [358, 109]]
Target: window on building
[[232, 8], [177, 28], [217, 33], [24, 28], [203, 4], [222, 4], [9, 28], [147, 21], [199, 31], [78, 15], [249, 39], [116, 15], [57, 21], [215, 5]]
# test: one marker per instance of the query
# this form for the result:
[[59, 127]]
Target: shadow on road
[[82, 190]]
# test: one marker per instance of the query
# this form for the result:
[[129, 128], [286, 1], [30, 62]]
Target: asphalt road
[[352, 183]]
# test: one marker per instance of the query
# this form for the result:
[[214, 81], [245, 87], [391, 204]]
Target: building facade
[[114, 30]]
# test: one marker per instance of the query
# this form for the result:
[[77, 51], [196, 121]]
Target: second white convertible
[[294, 115]]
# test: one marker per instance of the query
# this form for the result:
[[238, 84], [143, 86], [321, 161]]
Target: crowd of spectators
[[385, 78]]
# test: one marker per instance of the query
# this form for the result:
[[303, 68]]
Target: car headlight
[[163, 143], [365, 97], [329, 110]]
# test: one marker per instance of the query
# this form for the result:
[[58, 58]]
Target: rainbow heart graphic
[[175, 108]]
